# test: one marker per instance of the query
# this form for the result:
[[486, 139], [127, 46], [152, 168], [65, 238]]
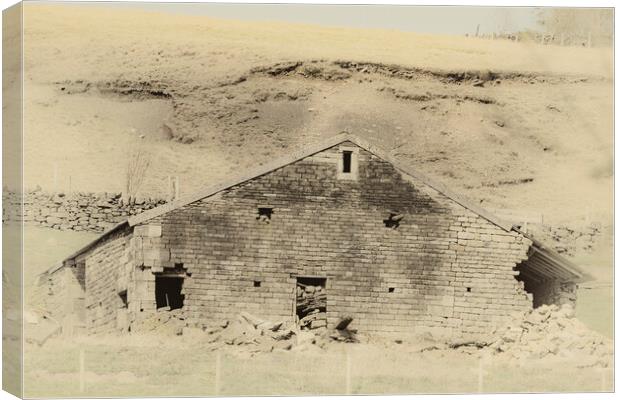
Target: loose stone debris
[[38, 326], [549, 331], [164, 321], [247, 334], [546, 332]]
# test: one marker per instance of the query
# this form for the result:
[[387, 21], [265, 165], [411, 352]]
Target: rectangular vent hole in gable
[[391, 290], [346, 161], [393, 221], [257, 283], [123, 296], [264, 214], [179, 268]]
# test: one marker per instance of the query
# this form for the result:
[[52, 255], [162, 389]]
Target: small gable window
[[347, 163]]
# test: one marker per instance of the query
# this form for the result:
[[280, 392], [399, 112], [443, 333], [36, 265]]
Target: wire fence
[[356, 376]]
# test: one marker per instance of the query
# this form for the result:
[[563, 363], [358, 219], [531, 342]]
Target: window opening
[[168, 292], [346, 161]]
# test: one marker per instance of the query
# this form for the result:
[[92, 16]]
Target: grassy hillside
[[511, 125]]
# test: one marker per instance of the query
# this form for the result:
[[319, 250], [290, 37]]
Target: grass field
[[180, 370]]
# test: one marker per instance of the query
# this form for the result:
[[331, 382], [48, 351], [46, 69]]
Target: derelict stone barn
[[389, 247]]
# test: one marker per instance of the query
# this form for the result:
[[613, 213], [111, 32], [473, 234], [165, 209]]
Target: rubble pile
[[266, 336], [250, 335], [551, 331], [342, 333], [164, 321], [311, 306]]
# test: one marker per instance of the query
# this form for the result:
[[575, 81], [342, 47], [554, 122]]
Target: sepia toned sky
[[423, 19]]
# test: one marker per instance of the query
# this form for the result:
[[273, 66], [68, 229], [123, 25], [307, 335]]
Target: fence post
[[82, 386], [480, 377], [348, 372], [218, 363], [482, 361], [55, 177], [604, 387], [170, 192]]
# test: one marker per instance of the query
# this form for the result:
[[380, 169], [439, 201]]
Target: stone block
[[147, 231], [53, 220]]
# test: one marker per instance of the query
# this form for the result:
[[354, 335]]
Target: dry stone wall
[[568, 240], [439, 268], [93, 212]]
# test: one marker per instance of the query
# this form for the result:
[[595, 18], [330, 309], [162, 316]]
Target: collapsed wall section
[[555, 291]]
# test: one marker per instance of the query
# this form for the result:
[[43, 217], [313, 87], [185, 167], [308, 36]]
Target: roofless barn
[[386, 245]]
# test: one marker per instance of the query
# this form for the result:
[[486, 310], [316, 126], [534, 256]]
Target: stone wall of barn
[[397, 256], [146, 257], [61, 293], [105, 268]]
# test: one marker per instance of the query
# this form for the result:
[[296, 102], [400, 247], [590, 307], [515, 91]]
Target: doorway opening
[[311, 302]]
